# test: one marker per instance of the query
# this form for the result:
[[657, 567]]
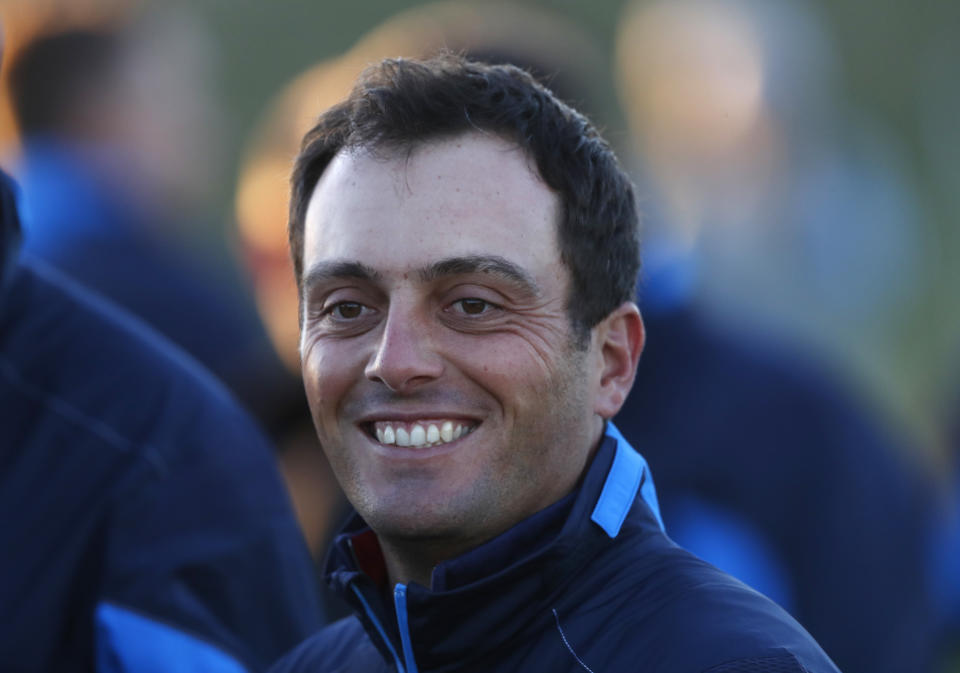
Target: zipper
[[381, 630], [400, 602]]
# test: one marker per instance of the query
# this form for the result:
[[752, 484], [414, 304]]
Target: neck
[[413, 560]]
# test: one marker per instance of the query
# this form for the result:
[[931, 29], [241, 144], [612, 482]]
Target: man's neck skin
[[413, 560]]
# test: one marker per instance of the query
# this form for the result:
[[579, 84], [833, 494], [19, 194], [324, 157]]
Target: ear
[[620, 337]]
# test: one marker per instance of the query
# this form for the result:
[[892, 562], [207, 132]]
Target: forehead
[[470, 195]]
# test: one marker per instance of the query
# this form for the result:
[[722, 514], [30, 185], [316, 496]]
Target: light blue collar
[[628, 474]]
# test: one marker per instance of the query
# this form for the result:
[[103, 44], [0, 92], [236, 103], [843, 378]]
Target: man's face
[[437, 353]]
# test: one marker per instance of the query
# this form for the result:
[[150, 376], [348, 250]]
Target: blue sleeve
[[128, 641], [730, 541], [208, 541]]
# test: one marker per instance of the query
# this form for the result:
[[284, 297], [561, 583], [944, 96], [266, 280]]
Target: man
[[143, 524], [466, 248]]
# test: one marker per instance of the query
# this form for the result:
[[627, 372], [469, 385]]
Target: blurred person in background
[[143, 523], [782, 478], [794, 210], [776, 227], [120, 147], [767, 214]]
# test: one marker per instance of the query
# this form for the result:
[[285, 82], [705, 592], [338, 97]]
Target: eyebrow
[[488, 264], [324, 272]]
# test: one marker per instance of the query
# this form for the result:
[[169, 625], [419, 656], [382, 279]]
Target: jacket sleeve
[[206, 568]]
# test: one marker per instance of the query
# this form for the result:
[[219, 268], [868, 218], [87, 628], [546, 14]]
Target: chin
[[414, 521], [418, 530]]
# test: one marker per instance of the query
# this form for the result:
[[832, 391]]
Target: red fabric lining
[[369, 556]]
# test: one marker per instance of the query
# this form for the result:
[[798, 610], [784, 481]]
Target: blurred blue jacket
[[143, 523]]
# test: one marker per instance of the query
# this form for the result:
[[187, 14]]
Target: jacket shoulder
[[664, 607]]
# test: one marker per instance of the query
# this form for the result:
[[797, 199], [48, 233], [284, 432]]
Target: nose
[[405, 356]]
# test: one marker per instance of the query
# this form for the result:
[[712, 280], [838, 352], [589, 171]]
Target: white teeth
[[420, 435]]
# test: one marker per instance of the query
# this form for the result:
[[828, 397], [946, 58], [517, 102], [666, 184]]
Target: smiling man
[[466, 249]]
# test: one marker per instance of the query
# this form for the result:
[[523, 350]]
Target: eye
[[473, 306], [346, 310]]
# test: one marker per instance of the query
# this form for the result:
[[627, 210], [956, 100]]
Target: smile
[[420, 433]]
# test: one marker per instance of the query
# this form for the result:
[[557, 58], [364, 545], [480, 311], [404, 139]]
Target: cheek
[[327, 376], [514, 358], [497, 362], [545, 342], [525, 376]]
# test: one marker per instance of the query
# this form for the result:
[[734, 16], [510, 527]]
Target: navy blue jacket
[[143, 523], [590, 583]]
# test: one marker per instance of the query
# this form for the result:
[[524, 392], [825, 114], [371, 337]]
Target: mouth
[[419, 434]]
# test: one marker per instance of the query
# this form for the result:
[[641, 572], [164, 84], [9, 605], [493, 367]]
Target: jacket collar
[[498, 592]]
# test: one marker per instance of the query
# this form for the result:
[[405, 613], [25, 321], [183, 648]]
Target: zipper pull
[[400, 602]]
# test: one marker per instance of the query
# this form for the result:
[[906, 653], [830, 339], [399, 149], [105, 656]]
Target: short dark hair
[[401, 103]]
